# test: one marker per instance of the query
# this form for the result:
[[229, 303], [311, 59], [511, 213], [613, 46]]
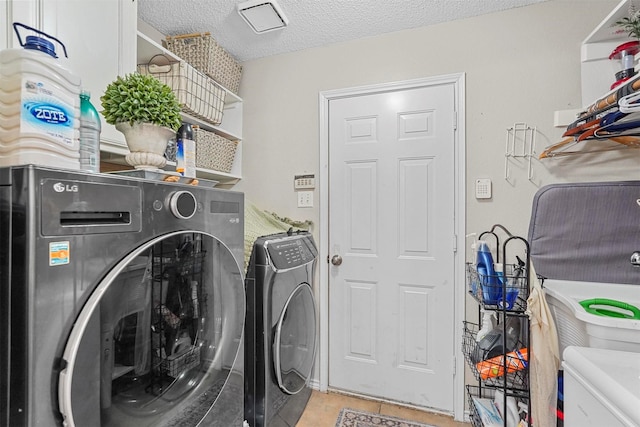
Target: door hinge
[[455, 243], [454, 366], [455, 120]]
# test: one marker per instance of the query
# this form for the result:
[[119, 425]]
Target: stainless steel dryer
[[121, 301], [280, 334]]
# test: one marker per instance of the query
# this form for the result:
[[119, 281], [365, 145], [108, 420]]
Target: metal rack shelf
[[505, 294]]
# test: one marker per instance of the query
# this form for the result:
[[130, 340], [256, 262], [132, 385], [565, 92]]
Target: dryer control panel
[[291, 252]]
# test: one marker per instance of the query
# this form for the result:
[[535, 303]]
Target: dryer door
[[294, 345], [157, 341]]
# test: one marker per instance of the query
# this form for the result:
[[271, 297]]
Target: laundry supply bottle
[[486, 273], [90, 128], [186, 151], [39, 104], [496, 291], [474, 286], [512, 329], [488, 323], [510, 412]]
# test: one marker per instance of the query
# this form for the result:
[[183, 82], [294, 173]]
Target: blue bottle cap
[[43, 45]]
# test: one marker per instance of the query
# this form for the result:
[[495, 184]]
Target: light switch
[[305, 199]]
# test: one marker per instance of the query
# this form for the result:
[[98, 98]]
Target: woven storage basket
[[205, 54], [214, 151], [198, 95]]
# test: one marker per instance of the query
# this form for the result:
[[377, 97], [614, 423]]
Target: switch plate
[[301, 182], [483, 188], [305, 199]]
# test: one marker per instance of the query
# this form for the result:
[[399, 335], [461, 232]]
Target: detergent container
[[491, 288], [39, 105]]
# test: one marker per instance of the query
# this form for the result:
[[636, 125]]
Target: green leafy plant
[[140, 98], [631, 23]]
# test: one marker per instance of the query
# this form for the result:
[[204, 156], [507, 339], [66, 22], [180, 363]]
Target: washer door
[[157, 340], [294, 345]]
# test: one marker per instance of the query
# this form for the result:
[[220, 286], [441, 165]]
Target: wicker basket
[[198, 95], [213, 151], [205, 54]]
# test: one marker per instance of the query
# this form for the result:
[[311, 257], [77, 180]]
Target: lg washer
[[121, 301], [281, 331]]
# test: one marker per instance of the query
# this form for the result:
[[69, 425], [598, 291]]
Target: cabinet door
[[23, 11], [100, 37]]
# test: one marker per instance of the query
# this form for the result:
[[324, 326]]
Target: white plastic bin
[[577, 327], [601, 388]]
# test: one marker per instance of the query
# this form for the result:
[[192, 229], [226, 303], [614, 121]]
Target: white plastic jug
[[39, 105]]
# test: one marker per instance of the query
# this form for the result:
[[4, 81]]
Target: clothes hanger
[[621, 128], [613, 98], [612, 125], [612, 122], [555, 149], [629, 103], [589, 123], [562, 148]]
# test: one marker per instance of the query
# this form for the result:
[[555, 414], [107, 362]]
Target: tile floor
[[323, 409]]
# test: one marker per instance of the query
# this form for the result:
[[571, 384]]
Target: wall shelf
[[149, 44], [598, 71]]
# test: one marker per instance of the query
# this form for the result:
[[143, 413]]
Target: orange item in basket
[[494, 367]]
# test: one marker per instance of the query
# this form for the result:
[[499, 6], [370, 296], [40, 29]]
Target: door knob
[[336, 260]]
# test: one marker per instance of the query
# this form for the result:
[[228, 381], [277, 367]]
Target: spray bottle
[[488, 323]]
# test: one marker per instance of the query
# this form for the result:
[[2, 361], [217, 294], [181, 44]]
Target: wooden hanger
[[561, 148], [590, 122]]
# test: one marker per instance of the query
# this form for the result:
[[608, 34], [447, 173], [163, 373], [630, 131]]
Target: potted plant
[[147, 112], [631, 24]]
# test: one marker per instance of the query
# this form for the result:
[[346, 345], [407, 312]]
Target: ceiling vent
[[263, 16]]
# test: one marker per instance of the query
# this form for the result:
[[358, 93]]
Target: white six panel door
[[391, 219]]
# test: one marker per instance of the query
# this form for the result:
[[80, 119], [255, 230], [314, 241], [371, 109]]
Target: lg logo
[[59, 187]]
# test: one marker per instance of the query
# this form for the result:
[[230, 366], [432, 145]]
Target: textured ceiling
[[312, 23]]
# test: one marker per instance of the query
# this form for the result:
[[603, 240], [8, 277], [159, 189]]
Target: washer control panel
[[290, 253], [183, 204]]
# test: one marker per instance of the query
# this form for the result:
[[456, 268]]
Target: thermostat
[[302, 182]]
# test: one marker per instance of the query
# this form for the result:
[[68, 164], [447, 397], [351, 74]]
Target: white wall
[[521, 65]]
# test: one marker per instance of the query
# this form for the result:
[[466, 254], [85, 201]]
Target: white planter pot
[[147, 143]]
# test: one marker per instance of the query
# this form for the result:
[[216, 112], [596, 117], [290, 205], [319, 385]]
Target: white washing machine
[[601, 388], [121, 301]]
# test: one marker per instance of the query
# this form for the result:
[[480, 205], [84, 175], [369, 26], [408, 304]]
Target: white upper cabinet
[[99, 36], [23, 11]]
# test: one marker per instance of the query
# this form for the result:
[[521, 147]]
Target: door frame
[[458, 82]]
